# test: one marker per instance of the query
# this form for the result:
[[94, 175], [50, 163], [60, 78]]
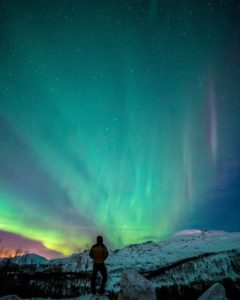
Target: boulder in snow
[[134, 286], [215, 292]]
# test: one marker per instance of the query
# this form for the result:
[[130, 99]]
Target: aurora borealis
[[117, 117]]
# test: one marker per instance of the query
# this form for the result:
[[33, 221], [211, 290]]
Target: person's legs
[[103, 271], [94, 278]]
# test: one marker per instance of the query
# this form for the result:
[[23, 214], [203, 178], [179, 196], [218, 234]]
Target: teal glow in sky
[[118, 118]]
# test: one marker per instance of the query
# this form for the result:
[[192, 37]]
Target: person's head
[[99, 239]]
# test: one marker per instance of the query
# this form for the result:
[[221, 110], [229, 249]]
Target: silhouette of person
[[99, 253]]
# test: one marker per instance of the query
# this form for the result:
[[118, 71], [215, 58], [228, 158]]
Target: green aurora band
[[109, 118]]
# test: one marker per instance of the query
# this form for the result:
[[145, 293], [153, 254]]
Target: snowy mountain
[[186, 264], [30, 259], [149, 256]]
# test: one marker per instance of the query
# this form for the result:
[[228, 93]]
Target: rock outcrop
[[134, 286], [215, 292]]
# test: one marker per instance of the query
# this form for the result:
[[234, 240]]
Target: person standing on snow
[[99, 253]]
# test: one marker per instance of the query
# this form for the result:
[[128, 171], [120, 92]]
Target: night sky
[[119, 118]]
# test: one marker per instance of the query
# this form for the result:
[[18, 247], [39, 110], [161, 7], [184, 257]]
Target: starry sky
[[118, 118]]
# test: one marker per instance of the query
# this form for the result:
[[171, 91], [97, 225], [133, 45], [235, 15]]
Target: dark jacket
[[98, 253]]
